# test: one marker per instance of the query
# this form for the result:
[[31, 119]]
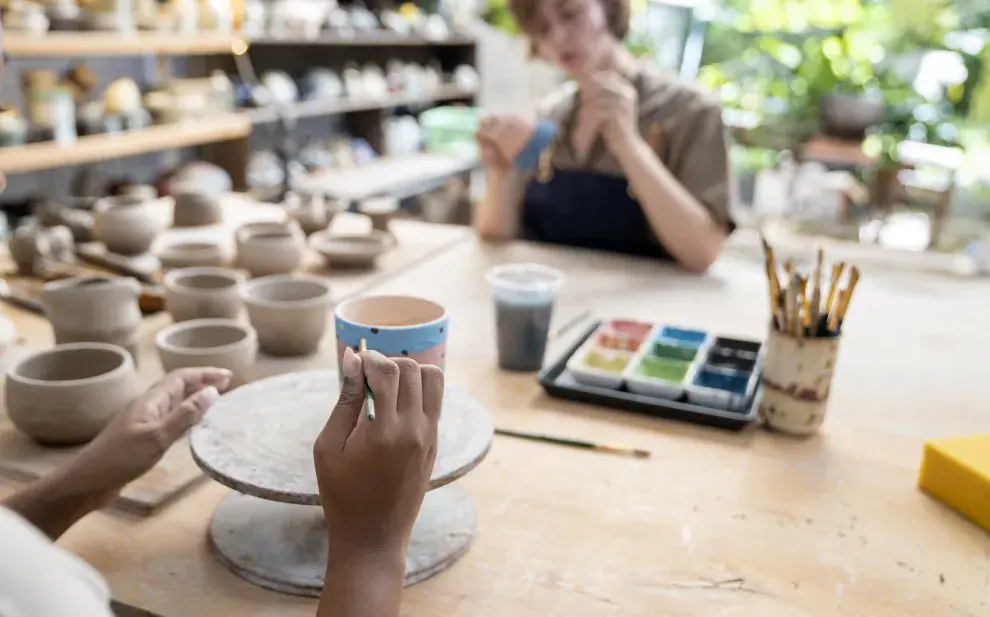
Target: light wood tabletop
[[715, 523]]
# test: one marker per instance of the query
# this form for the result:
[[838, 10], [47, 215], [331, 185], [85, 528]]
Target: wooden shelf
[[64, 44], [94, 148], [310, 109], [371, 39]]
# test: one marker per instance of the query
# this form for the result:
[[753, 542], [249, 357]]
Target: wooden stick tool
[[575, 443], [369, 400]]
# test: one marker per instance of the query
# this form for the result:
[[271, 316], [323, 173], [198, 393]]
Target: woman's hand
[[613, 105], [138, 437], [501, 138], [133, 442], [373, 474]]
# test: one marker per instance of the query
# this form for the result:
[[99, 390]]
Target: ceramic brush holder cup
[[797, 380]]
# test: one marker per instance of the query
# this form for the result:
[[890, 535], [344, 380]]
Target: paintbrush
[[774, 282], [568, 325], [576, 443], [791, 322], [833, 286], [804, 304], [853, 280], [816, 292], [833, 315], [369, 400]]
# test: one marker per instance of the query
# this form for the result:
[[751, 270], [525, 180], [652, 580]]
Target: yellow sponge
[[956, 471]]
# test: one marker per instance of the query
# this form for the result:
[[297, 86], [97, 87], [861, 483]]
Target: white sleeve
[[38, 579]]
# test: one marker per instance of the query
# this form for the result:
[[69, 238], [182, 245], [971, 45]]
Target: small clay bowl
[[289, 312], [220, 343], [68, 394], [381, 211], [125, 225], [350, 250], [196, 209], [201, 293], [265, 249], [192, 255]]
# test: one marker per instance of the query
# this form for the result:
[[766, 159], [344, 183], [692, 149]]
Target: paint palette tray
[[662, 370]]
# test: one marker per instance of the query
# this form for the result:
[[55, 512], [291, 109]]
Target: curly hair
[[527, 14]]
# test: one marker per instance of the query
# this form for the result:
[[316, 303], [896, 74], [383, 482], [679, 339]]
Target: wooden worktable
[[716, 523]]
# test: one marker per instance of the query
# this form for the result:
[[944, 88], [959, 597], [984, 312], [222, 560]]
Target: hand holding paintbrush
[[800, 308]]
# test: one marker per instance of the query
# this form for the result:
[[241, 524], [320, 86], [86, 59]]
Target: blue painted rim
[[393, 340]]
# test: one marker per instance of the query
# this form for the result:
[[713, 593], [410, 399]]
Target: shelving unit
[[95, 148], [64, 44], [312, 109], [228, 137]]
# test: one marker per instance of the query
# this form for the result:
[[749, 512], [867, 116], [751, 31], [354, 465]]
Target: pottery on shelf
[[270, 248], [381, 211], [199, 293], [94, 309], [68, 394], [125, 225], [192, 254], [220, 343], [196, 209], [144, 192], [350, 250], [289, 312]]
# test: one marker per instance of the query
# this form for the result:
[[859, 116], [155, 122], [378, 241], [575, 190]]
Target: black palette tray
[[558, 381]]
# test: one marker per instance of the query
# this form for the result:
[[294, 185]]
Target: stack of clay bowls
[[289, 312], [195, 209], [125, 225], [265, 249], [220, 343], [203, 293], [94, 309], [31, 246], [68, 394], [350, 250]]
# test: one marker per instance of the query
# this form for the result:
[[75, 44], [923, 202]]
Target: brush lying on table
[[799, 306]]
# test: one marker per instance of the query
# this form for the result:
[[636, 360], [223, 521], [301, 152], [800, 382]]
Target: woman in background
[[623, 160]]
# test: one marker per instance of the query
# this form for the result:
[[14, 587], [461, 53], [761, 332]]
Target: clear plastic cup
[[524, 296]]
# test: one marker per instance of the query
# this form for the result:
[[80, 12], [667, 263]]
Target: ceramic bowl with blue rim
[[394, 326]]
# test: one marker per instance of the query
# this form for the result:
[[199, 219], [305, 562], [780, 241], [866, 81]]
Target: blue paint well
[[393, 341], [680, 336], [728, 381]]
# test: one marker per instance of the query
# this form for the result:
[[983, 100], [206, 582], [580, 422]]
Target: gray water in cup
[[522, 329]]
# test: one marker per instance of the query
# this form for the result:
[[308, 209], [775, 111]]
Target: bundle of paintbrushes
[[807, 304]]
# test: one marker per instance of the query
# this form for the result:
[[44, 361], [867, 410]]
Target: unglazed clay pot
[[381, 211], [125, 225], [313, 213], [220, 343], [270, 248], [350, 250], [196, 209], [192, 255], [94, 309], [289, 312], [199, 293], [68, 394]]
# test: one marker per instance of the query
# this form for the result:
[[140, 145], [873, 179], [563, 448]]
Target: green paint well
[[674, 352], [667, 369]]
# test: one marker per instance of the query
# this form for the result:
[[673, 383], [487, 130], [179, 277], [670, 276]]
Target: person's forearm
[[362, 582], [497, 216], [684, 226], [57, 501]]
